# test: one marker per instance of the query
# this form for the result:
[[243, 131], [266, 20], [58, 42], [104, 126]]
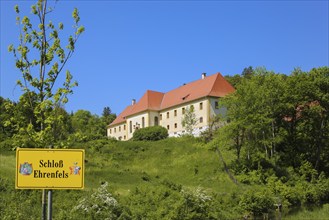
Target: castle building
[[168, 109]]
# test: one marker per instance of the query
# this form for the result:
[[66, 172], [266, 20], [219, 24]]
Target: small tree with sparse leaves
[[189, 120], [41, 57]]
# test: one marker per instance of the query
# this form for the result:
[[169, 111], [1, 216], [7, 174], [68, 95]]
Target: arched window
[[143, 122], [156, 121], [130, 126]]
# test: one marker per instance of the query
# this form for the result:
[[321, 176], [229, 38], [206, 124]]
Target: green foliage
[[108, 116], [279, 117], [157, 180], [167, 202], [189, 120], [17, 204], [257, 202], [153, 133], [99, 205], [41, 58]]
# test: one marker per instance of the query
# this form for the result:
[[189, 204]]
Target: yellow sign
[[49, 168]]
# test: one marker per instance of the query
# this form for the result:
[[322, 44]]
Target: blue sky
[[131, 46]]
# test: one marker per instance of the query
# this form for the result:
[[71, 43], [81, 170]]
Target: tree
[[41, 59], [87, 126], [107, 116], [234, 80], [6, 129], [307, 118], [248, 72], [254, 112], [279, 117], [189, 120]]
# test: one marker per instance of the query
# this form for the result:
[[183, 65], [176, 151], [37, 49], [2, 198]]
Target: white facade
[[171, 119]]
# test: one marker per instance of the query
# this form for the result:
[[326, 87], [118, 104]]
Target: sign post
[[48, 169]]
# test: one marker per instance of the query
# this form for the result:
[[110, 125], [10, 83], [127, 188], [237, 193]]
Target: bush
[[99, 205], [154, 133], [257, 202], [170, 201], [7, 144]]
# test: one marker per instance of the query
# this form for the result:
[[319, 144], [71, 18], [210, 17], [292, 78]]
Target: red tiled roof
[[214, 85], [151, 100]]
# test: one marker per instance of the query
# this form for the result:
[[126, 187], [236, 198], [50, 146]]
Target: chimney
[[133, 101], [203, 75]]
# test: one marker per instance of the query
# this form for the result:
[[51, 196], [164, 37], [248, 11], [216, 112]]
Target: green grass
[[306, 214], [7, 164], [127, 165]]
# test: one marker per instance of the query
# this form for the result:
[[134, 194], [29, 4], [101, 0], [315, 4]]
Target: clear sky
[[132, 46]]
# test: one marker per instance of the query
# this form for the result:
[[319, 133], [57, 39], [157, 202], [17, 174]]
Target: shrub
[[99, 205], [257, 202], [154, 133], [7, 144], [170, 201]]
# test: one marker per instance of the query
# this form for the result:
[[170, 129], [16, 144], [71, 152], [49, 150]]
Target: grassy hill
[[149, 180], [183, 161]]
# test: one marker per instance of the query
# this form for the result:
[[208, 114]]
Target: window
[[201, 119], [183, 111], [160, 116], [167, 114], [110, 131], [124, 137], [156, 121], [124, 127], [115, 130], [175, 113], [119, 128], [175, 125], [168, 127], [201, 106], [216, 105], [130, 126], [143, 122]]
